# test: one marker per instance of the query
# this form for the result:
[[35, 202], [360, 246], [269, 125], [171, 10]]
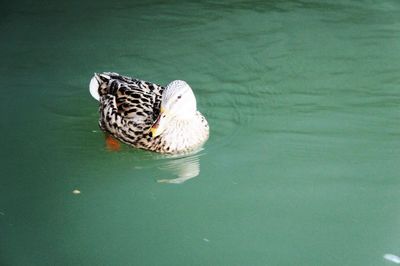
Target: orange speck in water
[[112, 144]]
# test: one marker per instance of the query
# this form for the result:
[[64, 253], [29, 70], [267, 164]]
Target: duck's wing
[[128, 106], [134, 98]]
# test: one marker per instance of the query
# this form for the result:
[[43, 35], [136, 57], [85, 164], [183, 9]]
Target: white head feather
[[178, 100]]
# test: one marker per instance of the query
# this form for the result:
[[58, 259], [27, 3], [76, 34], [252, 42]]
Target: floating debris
[[206, 239], [75, 191], [392, 258], [2, 213]]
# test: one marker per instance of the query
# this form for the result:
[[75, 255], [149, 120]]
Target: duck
[[149, 116]]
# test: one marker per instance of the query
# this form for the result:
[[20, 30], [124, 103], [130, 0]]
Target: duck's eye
[[180, 96]]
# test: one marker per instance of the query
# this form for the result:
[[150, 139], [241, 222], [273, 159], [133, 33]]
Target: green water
[[302, 166]]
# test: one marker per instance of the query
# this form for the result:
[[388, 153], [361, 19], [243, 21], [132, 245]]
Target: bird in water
[[149, 116]]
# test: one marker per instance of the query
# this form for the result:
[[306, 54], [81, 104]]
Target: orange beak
[[154, 127], [158, 125]]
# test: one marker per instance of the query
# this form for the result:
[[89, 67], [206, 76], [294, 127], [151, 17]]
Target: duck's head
[[177, 103]]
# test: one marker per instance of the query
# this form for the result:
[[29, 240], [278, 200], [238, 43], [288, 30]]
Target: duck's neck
[[186, 134]]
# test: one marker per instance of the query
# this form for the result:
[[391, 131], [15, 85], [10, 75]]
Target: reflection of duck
[[149, 116], [185, 168]]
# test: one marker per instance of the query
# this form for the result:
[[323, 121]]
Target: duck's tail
[[100, 83], [94, 85]]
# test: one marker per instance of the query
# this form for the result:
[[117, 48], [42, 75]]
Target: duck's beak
[[159, 125]]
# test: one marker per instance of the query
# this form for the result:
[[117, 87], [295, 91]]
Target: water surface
[[302, 166]]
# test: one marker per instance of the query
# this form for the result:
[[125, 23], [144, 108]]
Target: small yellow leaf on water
[[75, 191]]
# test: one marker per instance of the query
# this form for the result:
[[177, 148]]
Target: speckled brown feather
[[128, 108]]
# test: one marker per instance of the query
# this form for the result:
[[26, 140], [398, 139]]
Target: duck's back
[[128, 106]]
